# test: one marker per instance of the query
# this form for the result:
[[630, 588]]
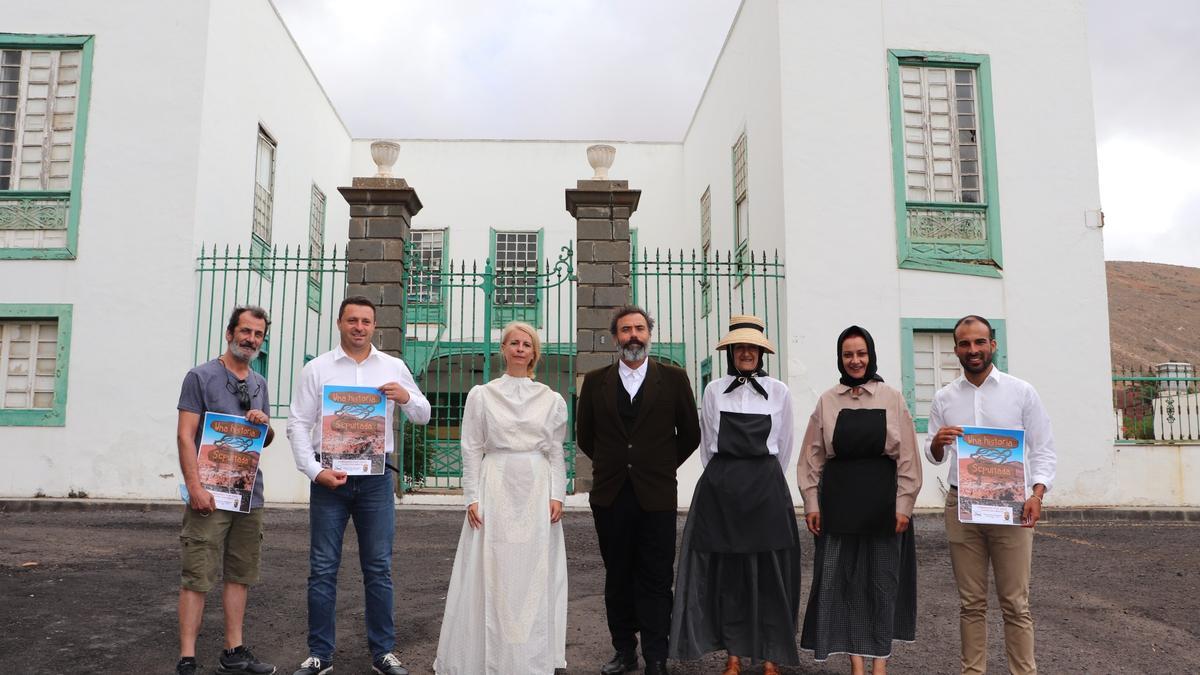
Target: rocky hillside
[[1153, 313]]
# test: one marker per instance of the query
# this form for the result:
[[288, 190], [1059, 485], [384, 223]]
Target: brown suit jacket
[[666, 432]]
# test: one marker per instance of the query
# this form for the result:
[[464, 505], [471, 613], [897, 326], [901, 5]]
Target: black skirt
[[738, 585], [863, 596]]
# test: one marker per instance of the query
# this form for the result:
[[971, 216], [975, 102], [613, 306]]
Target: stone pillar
[[601, 209], [381, 210]]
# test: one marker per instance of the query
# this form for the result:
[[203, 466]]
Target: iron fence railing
[[300, 290], [1149, 407], [454, 316], [691, 297]]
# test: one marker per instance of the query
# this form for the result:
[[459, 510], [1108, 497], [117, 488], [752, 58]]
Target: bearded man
[[637, 422], [213, 541]]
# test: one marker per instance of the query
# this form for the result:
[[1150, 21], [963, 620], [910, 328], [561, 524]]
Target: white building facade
[[909, 162]]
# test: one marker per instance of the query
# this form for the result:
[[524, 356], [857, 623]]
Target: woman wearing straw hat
[[859, 474], [738, 586]]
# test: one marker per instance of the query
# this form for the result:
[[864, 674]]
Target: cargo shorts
[[225, 542]]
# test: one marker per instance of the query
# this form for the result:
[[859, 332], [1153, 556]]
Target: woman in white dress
[[506, 608]]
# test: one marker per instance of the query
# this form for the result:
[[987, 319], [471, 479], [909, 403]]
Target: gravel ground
[[1108, 597]]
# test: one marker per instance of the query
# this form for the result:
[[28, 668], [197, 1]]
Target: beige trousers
[[1010, 550]]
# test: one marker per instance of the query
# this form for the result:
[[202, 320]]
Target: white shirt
[[745, 399], [632, 378], [336, 367], [1003, 402]]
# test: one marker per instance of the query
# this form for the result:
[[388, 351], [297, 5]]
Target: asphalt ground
[[93, 589]]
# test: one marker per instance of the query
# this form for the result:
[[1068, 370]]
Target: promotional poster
[[353, 428], [991, 476], [230, 448]]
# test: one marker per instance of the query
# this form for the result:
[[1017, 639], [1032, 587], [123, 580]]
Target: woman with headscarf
[[859, 474], [738, 585]]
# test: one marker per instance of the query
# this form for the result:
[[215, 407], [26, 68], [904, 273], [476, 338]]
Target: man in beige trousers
[[986, 397]]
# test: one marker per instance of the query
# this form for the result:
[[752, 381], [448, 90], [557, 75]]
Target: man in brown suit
[[637, 422]]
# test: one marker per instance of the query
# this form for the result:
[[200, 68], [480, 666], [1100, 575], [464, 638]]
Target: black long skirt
[[744, 602], [863, 596]]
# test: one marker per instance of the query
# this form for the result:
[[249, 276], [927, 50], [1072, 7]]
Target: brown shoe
[[769, 668], [733, 666]]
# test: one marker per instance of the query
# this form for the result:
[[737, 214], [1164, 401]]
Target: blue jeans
[[370, 501]]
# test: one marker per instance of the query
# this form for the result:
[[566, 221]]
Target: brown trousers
[[1010, 550]]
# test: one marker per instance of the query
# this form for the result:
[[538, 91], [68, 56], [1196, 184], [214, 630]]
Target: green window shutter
[[18, 342], [910, 329], [39, 212], [944, 162]]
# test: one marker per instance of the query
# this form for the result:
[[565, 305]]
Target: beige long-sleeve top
[[901, 443]]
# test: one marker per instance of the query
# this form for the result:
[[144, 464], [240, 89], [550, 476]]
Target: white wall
[[256, 75], [838, 192], [742, 96], [178, 90], [131, 285]]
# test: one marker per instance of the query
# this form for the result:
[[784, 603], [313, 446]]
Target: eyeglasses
[[242, 392]]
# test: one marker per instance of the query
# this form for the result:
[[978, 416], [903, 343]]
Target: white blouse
[[745, 399], [513, 414]]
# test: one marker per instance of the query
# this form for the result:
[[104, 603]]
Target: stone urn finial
[[601, 158], [384, 153]]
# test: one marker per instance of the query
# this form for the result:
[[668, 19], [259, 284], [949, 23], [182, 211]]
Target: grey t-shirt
[[206, 388]]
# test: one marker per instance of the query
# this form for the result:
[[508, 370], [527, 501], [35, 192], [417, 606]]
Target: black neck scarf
[[872, 367], [741, 377]]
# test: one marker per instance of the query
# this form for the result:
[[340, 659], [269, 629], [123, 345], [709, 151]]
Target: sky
[[527, 70]]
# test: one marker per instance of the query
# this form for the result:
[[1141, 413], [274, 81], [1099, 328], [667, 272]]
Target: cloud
[[556, 69], [1143, 59]]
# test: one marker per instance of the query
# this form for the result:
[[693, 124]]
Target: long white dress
[[506, 608]]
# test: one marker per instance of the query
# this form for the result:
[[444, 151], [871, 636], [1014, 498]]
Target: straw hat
[[746, 329]]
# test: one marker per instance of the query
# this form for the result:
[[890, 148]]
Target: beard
[[985, 360], [633, 351], [244, 353]]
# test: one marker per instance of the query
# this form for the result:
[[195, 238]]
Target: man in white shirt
[[334, 497], [983, 396]]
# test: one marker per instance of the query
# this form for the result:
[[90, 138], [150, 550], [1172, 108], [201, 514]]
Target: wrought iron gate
[[454, 316]]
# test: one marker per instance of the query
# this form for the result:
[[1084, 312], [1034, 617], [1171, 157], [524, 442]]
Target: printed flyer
[[353, 428], [991, 476], [230, 448]]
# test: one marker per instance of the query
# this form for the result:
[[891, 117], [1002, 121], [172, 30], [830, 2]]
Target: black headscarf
[[741, 377], [872, 366]]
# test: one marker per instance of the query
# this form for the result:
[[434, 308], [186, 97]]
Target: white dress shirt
[[1003, 402], [745, 399], [336, 367], [632, 378]]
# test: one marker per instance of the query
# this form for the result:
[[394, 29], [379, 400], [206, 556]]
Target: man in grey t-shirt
[[214, 540]]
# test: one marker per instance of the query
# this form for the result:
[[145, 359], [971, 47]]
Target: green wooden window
[[944, 162], [35, 347], [741, 205], [264, 203], [518, 294], [45, 87], [705, 374], [928, 362], [705, 249], [316, 246], [427, 293]]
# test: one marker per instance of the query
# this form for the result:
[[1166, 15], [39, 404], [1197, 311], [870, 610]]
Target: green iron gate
[[691, 298], [454, 316], [301, 292]]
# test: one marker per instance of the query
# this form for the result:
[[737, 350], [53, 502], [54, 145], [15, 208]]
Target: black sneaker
[[242, 662], [314, 666], [388, 664], [187, 666]]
